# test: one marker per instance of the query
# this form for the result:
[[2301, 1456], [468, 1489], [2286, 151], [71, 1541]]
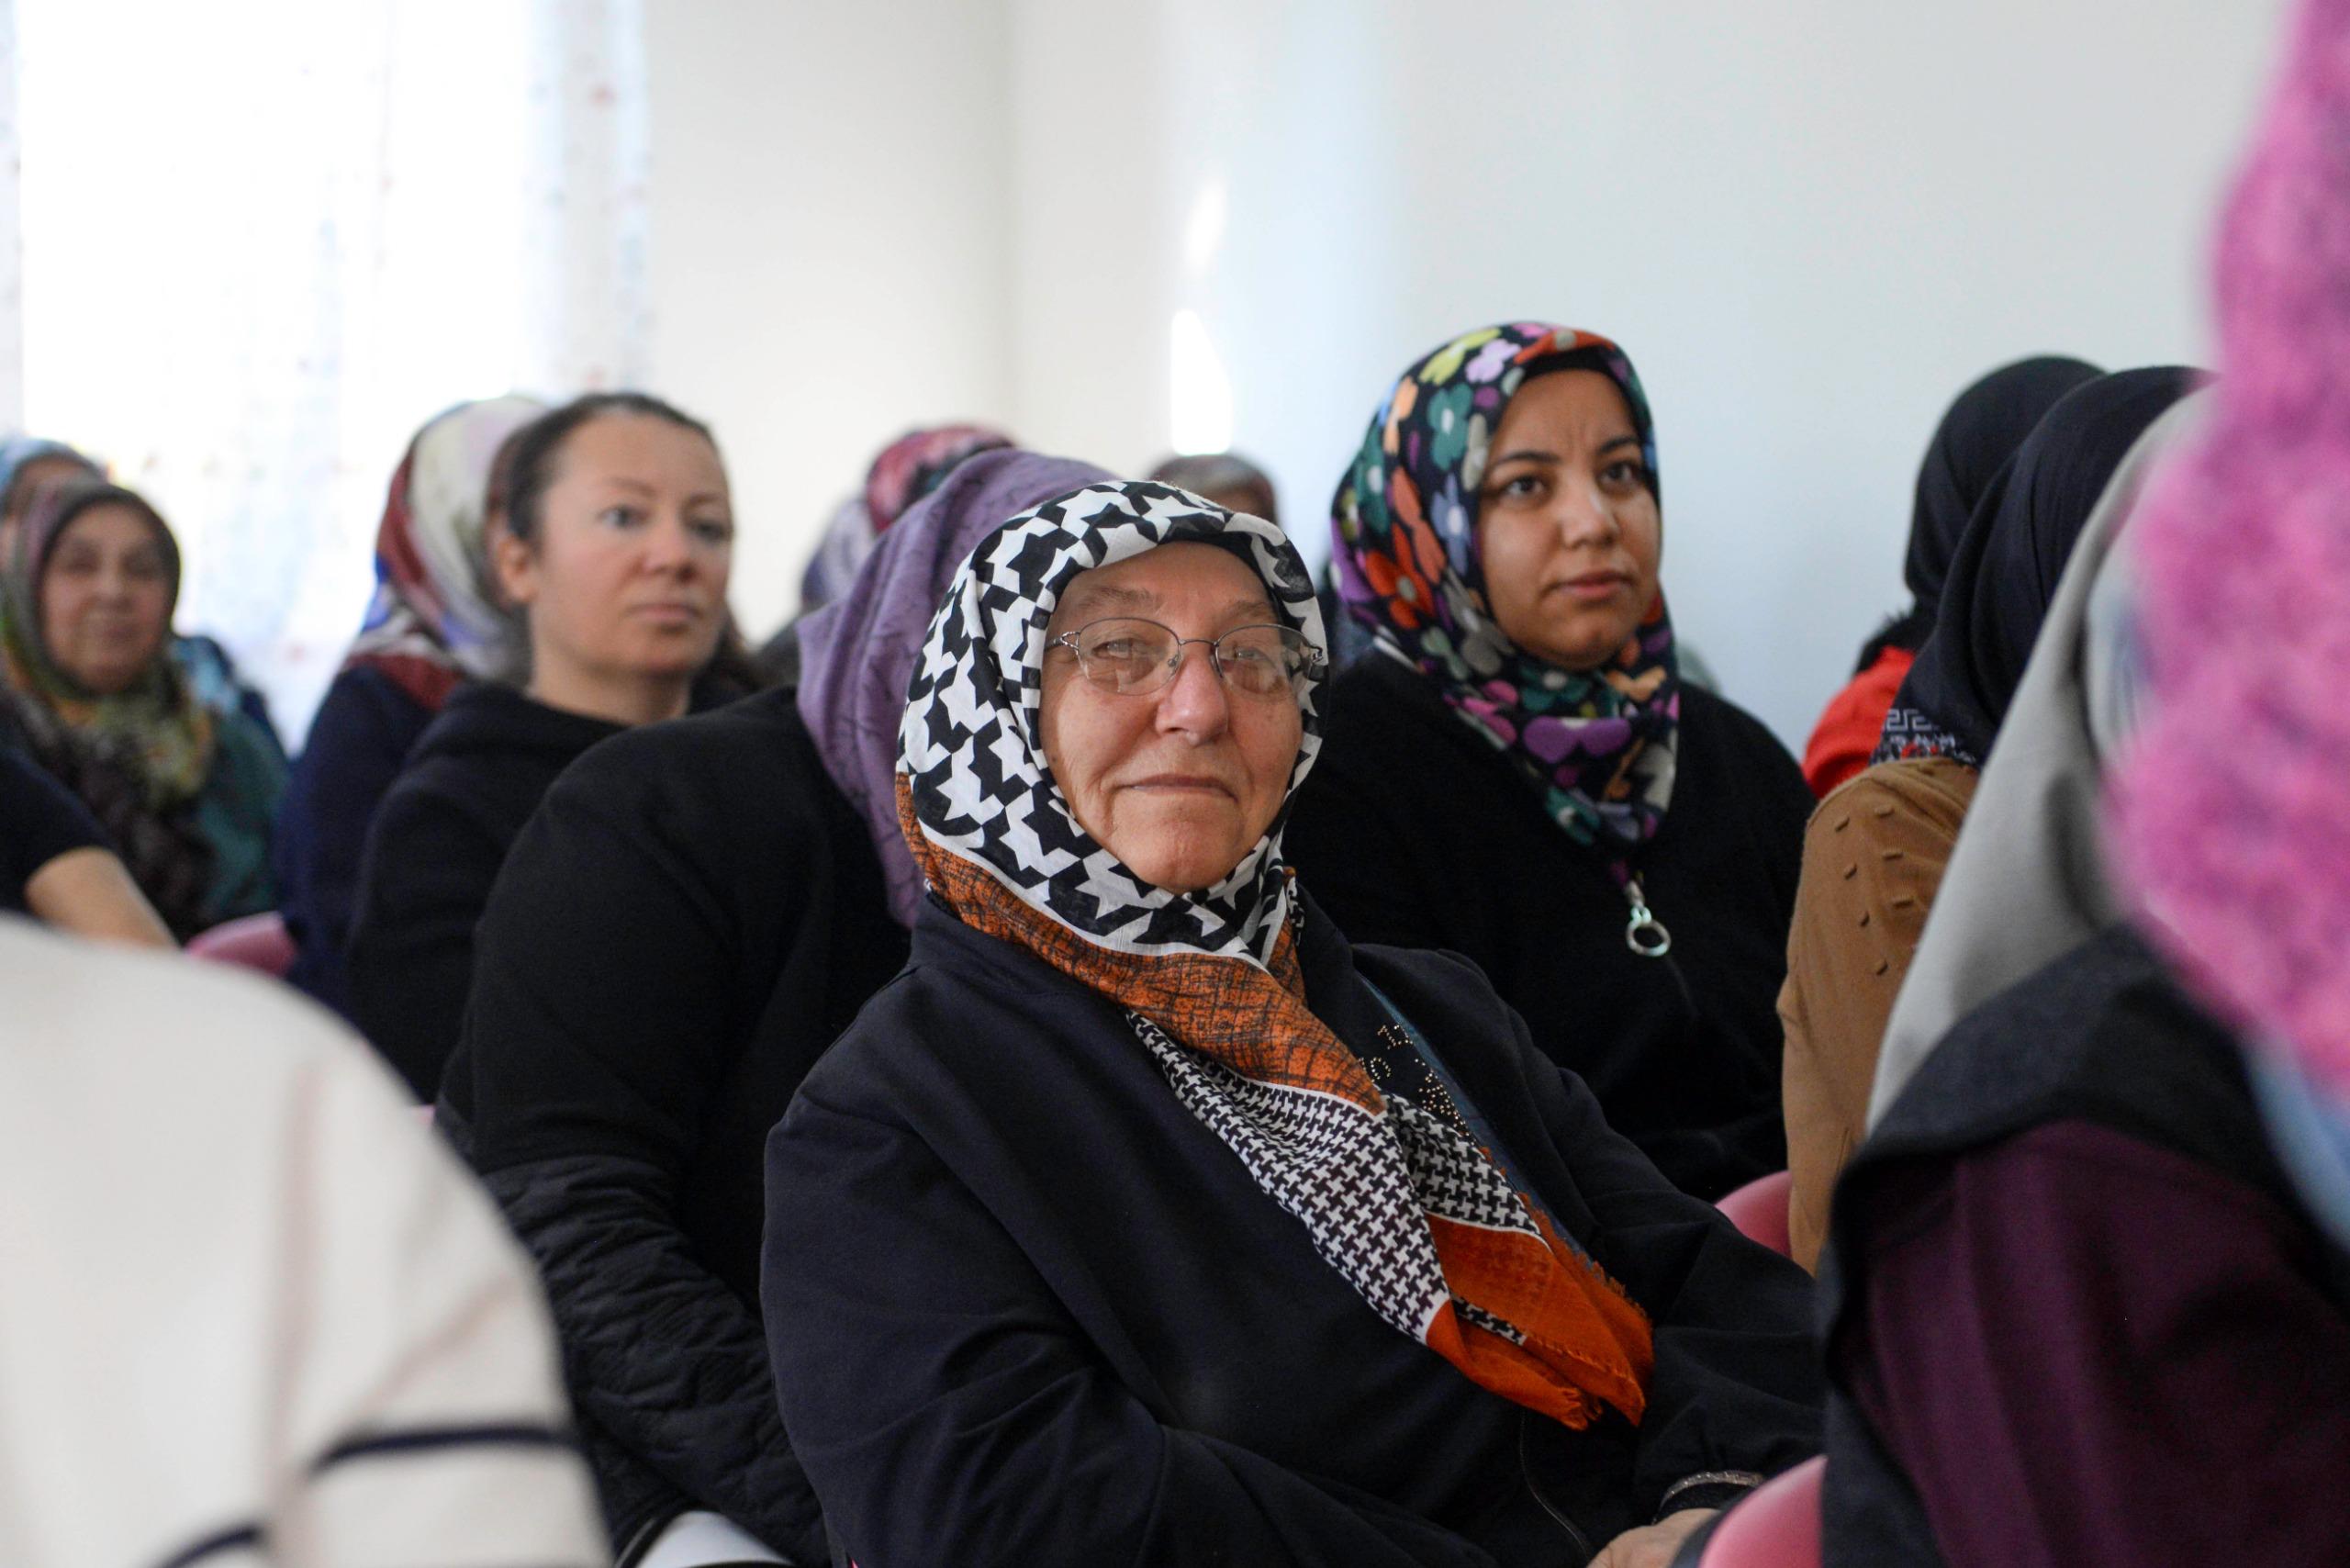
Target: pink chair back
[[1760, 1209], [256, 942], [1777, 1525]]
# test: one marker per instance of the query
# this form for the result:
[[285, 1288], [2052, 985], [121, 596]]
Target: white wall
[[1809, 222], [830, 207]]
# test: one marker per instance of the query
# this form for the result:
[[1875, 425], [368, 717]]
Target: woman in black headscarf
[[1875, 852], [1974, 440]]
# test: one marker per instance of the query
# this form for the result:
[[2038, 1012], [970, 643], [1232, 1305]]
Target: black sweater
[[39, 820], [692, 916], [1415, 833], [475, 777], [1025, 1308]]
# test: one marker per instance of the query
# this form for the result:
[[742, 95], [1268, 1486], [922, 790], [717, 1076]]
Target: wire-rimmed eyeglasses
[[1135, 657]]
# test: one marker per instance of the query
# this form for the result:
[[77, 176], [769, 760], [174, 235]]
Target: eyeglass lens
[[1134, 656]]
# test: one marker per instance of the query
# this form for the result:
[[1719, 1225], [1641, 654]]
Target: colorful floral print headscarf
[[1410, 1211], [1598, 745]]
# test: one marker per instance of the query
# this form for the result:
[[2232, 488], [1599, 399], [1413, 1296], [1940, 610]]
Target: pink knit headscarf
[[2230, 812]]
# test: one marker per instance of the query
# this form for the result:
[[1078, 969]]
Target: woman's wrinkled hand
[[1652, 1545]]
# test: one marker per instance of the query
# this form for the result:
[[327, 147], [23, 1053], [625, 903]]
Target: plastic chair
[[1759, 1210], [256, 942], [1776, 1526]]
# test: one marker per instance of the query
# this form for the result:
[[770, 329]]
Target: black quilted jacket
[[688, 922]]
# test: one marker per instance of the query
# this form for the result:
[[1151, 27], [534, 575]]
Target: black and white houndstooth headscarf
[[1413, 1214], [970, 743]]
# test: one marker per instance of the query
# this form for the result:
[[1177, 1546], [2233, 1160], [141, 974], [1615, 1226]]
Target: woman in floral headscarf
[[434, 622], [1518, 773], [1142, 1219]]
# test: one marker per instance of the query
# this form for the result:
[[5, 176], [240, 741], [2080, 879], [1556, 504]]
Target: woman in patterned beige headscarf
[[434, 622]]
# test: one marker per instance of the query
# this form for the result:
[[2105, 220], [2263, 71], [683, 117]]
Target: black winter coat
[[1413, 833], [692, 916], [1024, 1308]]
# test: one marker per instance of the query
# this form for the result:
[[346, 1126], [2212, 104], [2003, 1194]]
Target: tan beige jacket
[[1872, 856]]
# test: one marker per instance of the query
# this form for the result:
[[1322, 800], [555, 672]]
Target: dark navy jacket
[[1024, 1308], [362, 733]]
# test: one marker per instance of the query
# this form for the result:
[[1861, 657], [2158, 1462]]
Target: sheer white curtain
[[264, 240]]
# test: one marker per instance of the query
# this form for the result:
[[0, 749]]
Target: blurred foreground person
[[256, 1312], [2089, 1291]]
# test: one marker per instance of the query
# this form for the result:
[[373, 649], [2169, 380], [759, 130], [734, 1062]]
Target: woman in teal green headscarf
[[89, 588]]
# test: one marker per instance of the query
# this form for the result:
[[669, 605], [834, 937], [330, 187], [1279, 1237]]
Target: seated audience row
[[1875, 850], [1034, 1092], [696, 909]]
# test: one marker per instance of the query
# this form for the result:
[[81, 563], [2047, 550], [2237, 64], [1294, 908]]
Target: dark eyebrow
[[639, 488], [1553, 458]]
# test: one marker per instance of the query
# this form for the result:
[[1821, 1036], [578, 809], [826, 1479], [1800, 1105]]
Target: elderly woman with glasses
[[1141, 1220]]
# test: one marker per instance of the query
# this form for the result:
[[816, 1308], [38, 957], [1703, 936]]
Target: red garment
[[1845, 737]]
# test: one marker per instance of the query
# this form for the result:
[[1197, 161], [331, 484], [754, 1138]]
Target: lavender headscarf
[[857, 653]]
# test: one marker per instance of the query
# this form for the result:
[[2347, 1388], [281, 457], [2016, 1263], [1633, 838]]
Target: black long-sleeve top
[[1025, 1307], [690, 918], [1411, 832], [433, 851], [39, 820]]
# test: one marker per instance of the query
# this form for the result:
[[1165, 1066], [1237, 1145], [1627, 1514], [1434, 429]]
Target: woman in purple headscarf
[[695, 912]]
